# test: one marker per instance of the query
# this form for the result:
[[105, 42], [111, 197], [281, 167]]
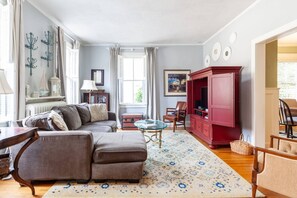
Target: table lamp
[[89, 85], [4, 86]]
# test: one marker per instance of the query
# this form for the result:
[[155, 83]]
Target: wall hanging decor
[[175, 82], [98, 76], [207, 60], [216, 51], [233, 37], [227, 53], [48, 41], [31, 46]]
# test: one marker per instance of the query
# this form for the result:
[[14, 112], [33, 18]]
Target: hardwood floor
[[241, 164]]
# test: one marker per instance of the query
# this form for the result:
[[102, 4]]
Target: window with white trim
[[287, 79], [132, 79], [72, 74], [6, 101]]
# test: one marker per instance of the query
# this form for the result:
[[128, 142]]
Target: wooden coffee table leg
[[15, 172]]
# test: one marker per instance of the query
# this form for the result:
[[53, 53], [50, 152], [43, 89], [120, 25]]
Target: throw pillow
[[57, 122], [38, 120], [84, 113], [98, 112], [70, 116]]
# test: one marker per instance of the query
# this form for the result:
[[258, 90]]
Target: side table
[[14, 135]]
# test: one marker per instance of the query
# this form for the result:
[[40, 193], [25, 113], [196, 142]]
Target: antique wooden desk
[[13, 135]]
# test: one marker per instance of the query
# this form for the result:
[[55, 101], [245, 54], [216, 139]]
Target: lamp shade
[[4, 86], [88, 85]]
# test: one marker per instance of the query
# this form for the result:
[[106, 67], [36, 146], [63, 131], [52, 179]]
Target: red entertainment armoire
[[213, 104]]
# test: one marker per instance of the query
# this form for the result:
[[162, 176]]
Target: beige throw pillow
[[98, 112], [58, 120]]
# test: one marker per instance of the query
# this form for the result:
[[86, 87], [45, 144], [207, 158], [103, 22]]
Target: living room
[[185, 36]]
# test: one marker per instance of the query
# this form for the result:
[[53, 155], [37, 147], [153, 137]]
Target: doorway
[[258, 80]]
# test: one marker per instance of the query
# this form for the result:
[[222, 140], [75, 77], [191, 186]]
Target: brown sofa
[[91, 151]]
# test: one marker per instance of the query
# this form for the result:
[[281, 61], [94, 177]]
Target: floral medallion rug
[[183, 167]]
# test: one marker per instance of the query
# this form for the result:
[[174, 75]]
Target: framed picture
[[175, 82], [98, 76]]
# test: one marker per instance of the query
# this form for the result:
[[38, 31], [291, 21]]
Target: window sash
[[7, 107], [72, 74], [122, 80]]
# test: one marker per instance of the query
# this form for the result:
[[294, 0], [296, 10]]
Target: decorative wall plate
[[216, 51], [207, 60], [227, 53], [233, 37]]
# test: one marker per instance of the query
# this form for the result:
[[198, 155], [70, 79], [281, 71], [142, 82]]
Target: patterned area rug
[[183, 167]]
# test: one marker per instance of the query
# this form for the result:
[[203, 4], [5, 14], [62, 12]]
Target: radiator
[[35, 108]]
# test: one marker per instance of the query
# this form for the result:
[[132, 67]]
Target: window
[[6, 101], [132, 78], [72, 74], [287, 79]]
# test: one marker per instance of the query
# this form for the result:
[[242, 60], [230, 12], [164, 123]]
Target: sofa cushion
[[70, 116], [95, 128], [38, 120], [56, 122], [84, 113], [98, 112], [119, 147]]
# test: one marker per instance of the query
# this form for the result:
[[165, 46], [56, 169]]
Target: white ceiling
[[131, 22]]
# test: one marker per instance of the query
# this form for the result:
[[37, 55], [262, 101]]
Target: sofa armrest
[[112, 116], [57, 155]]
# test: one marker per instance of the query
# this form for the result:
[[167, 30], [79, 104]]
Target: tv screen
[[204, 98]]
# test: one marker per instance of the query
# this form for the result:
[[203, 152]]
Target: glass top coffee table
[[151, 126]]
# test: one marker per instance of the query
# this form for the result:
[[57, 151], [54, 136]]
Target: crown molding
[[139, 45]]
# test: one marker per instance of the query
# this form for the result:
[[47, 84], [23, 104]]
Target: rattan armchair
[[275, 168]]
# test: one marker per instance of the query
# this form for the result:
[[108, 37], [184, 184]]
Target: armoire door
[[222, 99]]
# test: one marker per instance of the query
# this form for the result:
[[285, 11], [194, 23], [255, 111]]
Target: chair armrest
[[170, 110], [272, 137], [268, 151]]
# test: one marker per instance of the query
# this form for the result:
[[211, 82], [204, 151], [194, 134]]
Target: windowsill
[[132, 105]]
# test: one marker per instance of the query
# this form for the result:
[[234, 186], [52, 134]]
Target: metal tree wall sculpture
[[31, 46], [48, 42]]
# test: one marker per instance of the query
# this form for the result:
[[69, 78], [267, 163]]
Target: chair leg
[[254, 190], [174, 125]]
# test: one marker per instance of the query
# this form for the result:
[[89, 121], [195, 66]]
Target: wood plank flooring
[[241, 164]]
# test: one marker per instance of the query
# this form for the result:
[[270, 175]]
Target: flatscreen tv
[[204, 98]]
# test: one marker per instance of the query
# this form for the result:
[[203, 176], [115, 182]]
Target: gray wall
[[264, 17], [94, 57], [37, 23], [171, 57], [176, 57]]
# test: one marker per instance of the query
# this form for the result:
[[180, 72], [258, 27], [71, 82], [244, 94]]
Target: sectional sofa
[[89, 150]]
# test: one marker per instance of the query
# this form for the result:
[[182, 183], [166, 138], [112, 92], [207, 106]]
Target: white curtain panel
[[18, 56], [61, 64], [114, 85], [153, 106]]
